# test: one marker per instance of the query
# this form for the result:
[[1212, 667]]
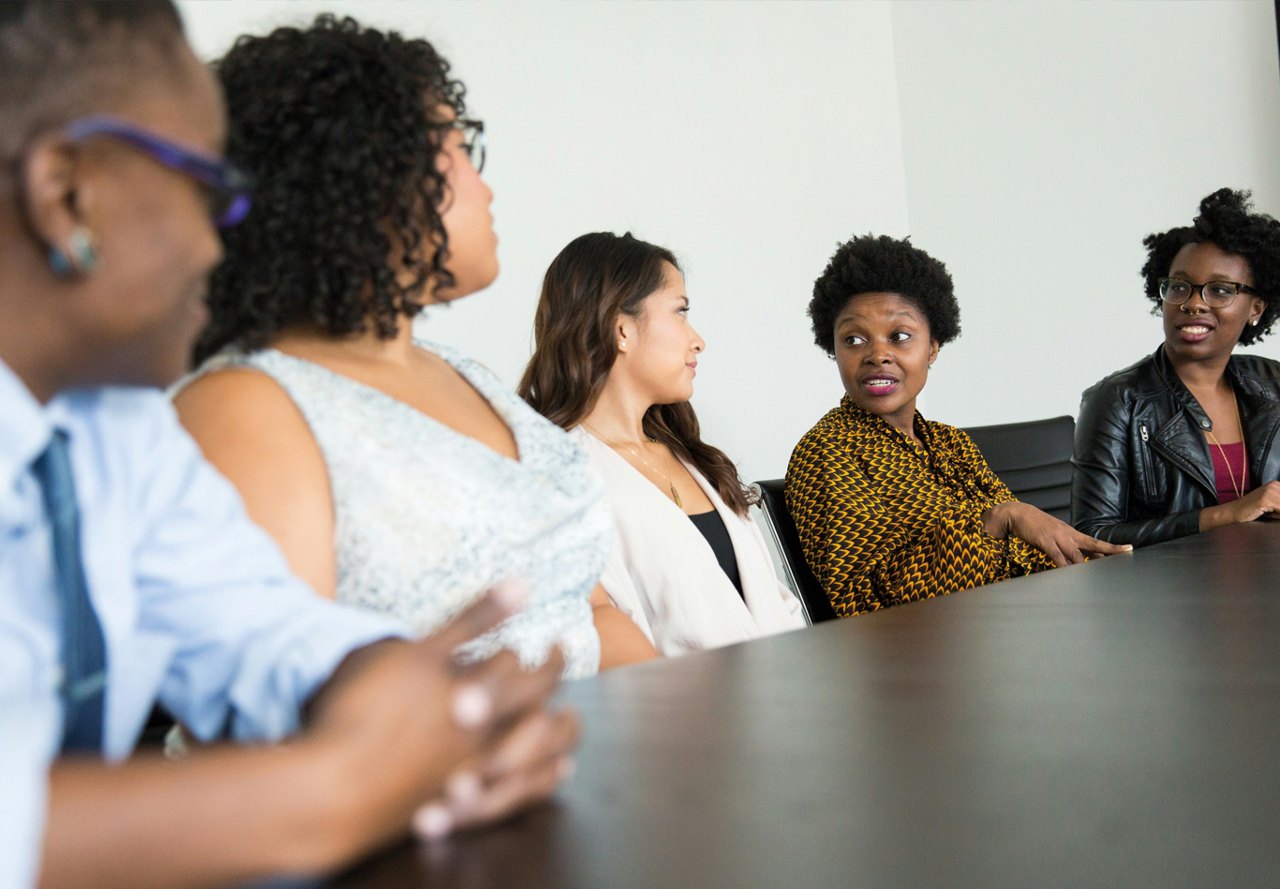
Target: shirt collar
[[864, 419], [25, 430]]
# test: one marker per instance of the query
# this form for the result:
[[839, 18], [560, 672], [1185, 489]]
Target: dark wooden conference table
[[1109, 724]]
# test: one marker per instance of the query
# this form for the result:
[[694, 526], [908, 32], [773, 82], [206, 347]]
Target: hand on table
[[1058, 540], [1263, 502]]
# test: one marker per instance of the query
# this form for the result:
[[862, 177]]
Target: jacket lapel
[[1184, 446], [1261, 421]]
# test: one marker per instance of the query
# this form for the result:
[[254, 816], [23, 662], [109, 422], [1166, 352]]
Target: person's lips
[[1195, 331], [879, 384]]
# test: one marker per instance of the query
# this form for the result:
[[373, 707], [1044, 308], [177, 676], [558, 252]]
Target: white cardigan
[[663, 574]]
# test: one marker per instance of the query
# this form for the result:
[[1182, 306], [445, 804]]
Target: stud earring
[[1253, 323], [622, 345]]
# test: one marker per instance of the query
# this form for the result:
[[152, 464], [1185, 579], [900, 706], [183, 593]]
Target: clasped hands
[[437, 745]]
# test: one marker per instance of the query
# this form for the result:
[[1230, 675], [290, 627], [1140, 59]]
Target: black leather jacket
[[1142, 466]]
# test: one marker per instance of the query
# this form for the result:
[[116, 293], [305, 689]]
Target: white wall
[[1042, 142], [1016, 142]]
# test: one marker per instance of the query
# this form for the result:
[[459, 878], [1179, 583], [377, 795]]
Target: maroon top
[[1229, 460]]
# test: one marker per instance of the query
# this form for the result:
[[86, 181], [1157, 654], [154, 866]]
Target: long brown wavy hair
[[596, 278]]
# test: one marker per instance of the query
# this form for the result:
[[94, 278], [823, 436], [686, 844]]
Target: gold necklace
[[675, 495], [1244, 481]]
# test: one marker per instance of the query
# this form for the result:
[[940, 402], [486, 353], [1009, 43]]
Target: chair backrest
[[817, 606], [1033, 459]]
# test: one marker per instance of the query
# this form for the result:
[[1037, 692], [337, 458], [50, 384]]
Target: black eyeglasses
[[228, 186], [1175, 291]]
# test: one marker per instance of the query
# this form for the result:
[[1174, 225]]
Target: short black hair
[[871, 264], [61, 59], [339, 125], [1226, 222]]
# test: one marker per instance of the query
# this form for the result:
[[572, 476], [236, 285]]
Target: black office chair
[[817, 607], [1033, 459]]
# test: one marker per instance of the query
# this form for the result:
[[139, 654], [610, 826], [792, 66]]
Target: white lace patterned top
[[428, 518]]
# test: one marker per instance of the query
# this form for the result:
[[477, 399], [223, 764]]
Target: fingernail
[[463, 789], [511, 593], [472, 706], [566, 769], [432, 821]]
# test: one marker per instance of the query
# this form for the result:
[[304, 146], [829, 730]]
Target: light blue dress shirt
[[28, 737], [198, 607]]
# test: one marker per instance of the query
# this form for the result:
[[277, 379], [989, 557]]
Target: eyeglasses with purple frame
[[228, 185]]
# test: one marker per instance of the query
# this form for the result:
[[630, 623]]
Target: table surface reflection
[[1108, 724]]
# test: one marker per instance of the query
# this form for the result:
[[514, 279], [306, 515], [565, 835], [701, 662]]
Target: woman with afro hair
[[892, 507], [1185, 439], [395, 474]]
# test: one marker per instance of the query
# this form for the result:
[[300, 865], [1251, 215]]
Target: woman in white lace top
[[394, 474]]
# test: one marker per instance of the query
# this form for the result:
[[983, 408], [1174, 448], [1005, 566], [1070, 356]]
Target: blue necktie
[[84, 661]]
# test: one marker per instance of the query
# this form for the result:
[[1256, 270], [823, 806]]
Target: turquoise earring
[[83, 252], [59, 263], [81, 256]]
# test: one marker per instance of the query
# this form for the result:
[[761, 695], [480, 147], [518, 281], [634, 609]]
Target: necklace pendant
[[675, 495]]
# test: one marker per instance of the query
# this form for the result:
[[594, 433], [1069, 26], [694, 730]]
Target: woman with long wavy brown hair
[[614, 362]]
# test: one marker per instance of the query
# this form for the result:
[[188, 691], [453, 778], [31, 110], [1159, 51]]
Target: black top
[[712, 528]]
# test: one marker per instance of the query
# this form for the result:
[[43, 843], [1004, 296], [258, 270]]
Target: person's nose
[[698, 345], [877, 355], [1195, 303]]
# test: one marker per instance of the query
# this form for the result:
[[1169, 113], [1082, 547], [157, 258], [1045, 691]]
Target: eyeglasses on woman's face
[[228, 186], [472, 141], [1217, 294]]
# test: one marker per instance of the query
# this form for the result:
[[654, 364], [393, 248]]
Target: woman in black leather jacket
[[1186, 440]]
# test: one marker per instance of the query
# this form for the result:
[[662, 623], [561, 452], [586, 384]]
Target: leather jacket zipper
[[1143, 451]]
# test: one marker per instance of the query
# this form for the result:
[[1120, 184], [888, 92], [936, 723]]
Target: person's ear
[[624, 333], [53, 200], [934, 346], [1256, 309]]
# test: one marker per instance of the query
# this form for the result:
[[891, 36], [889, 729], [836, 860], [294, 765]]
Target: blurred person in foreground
[[129, 573]]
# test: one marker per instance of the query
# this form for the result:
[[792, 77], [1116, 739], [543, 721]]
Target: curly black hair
[[1224, 221], [339, 125], [871, 264]]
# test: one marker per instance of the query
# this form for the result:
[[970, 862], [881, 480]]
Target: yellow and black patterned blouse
[[884, 519]]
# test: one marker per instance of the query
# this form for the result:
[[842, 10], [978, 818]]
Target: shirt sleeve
[[865, 558], [28, 739], [250, 643], [989, 490]]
